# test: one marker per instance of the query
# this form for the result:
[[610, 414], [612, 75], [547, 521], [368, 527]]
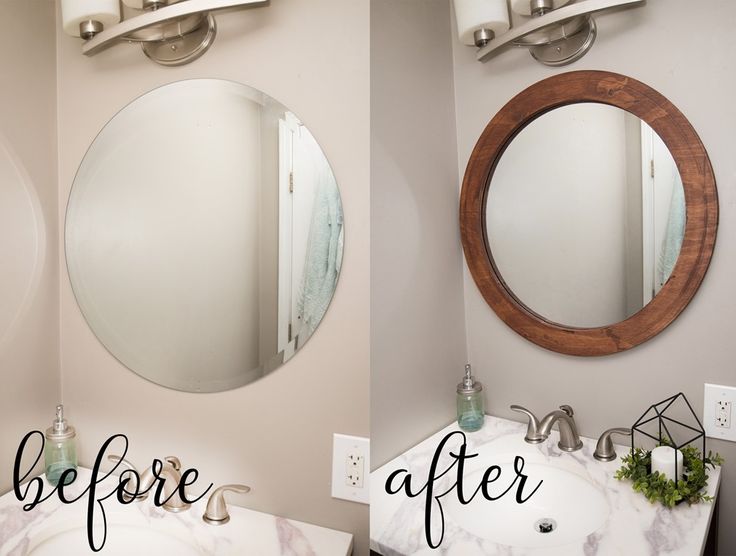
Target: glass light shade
[[74, 12], [472, 15], [523, 7]]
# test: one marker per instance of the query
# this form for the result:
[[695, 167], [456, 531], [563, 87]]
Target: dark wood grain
[[701, 200]]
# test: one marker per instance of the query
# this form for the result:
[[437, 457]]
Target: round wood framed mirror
[[487, 176]]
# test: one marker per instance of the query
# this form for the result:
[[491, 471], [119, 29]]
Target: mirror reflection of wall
[[581, 228], [193, 219]]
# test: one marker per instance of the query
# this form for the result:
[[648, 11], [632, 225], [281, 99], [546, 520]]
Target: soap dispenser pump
[[60, 452], [470, 413]]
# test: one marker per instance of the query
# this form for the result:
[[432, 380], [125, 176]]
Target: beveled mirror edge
[[273, 363], [701, 199]]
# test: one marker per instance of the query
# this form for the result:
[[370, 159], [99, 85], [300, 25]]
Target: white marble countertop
[[633, 526], [247, 532]]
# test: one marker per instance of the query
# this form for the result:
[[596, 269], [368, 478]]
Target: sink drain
[[545, 525]]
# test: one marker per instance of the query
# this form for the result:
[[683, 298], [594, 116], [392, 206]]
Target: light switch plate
[[350, 467], [718, 407]]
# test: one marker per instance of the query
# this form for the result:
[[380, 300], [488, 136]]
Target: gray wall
[[29, 298], [546, 215], [284, 421], [697, 75], [417, 329]]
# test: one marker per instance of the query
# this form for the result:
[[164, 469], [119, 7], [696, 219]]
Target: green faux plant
[[637, 466]]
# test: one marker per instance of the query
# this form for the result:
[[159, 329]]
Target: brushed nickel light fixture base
[[568, 49], [554, 36], [171, 32], [183, 49]]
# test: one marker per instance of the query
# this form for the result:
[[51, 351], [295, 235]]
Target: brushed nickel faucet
[[538, 431], [170, 473], [216, 512], [604, 450]]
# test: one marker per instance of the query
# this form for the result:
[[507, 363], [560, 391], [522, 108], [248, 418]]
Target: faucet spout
[[569, 437], [169, 476]]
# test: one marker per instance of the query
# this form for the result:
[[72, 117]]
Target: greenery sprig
[[637, 466]]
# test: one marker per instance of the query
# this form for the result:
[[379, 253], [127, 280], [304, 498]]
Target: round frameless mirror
[[585, 215], [567, 235], [204, 235]]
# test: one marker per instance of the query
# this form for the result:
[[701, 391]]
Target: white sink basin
[[595, 513], [125, 541], [140, 528], [574, 506]]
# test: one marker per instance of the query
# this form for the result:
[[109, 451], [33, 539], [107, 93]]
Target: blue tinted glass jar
[[60, 450], [470, 410]]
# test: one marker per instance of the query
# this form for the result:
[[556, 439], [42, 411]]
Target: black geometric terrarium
[[671, 422]]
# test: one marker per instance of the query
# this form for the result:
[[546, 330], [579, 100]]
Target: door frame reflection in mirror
[[701, 200]]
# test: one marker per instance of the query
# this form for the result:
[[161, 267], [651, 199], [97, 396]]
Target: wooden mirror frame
[[701, 200]]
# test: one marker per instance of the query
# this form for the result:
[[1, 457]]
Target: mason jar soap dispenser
[[60, 452], [470, 414]]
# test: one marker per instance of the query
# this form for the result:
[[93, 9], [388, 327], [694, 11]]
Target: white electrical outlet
[[354, 469], [350, 465], [723, 414], [717, 410]]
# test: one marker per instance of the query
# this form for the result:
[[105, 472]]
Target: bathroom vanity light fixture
[[171, 32], [556, 32]]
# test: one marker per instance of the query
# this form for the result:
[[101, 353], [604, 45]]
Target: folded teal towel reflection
[[672, 241], [324, 254]]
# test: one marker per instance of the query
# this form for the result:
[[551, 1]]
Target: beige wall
[[697, 75], [276, 434], [417, 329], [29, 314]]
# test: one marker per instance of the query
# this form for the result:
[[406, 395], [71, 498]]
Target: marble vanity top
[[247, 532], [633, 526]]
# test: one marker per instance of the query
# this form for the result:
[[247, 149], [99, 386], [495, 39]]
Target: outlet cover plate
[[346, 451], [715, 393]]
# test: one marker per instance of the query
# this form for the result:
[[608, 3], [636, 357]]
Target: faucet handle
[[174, 462], [216, 511], [128, 467], [604, 450], [532, 429]]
